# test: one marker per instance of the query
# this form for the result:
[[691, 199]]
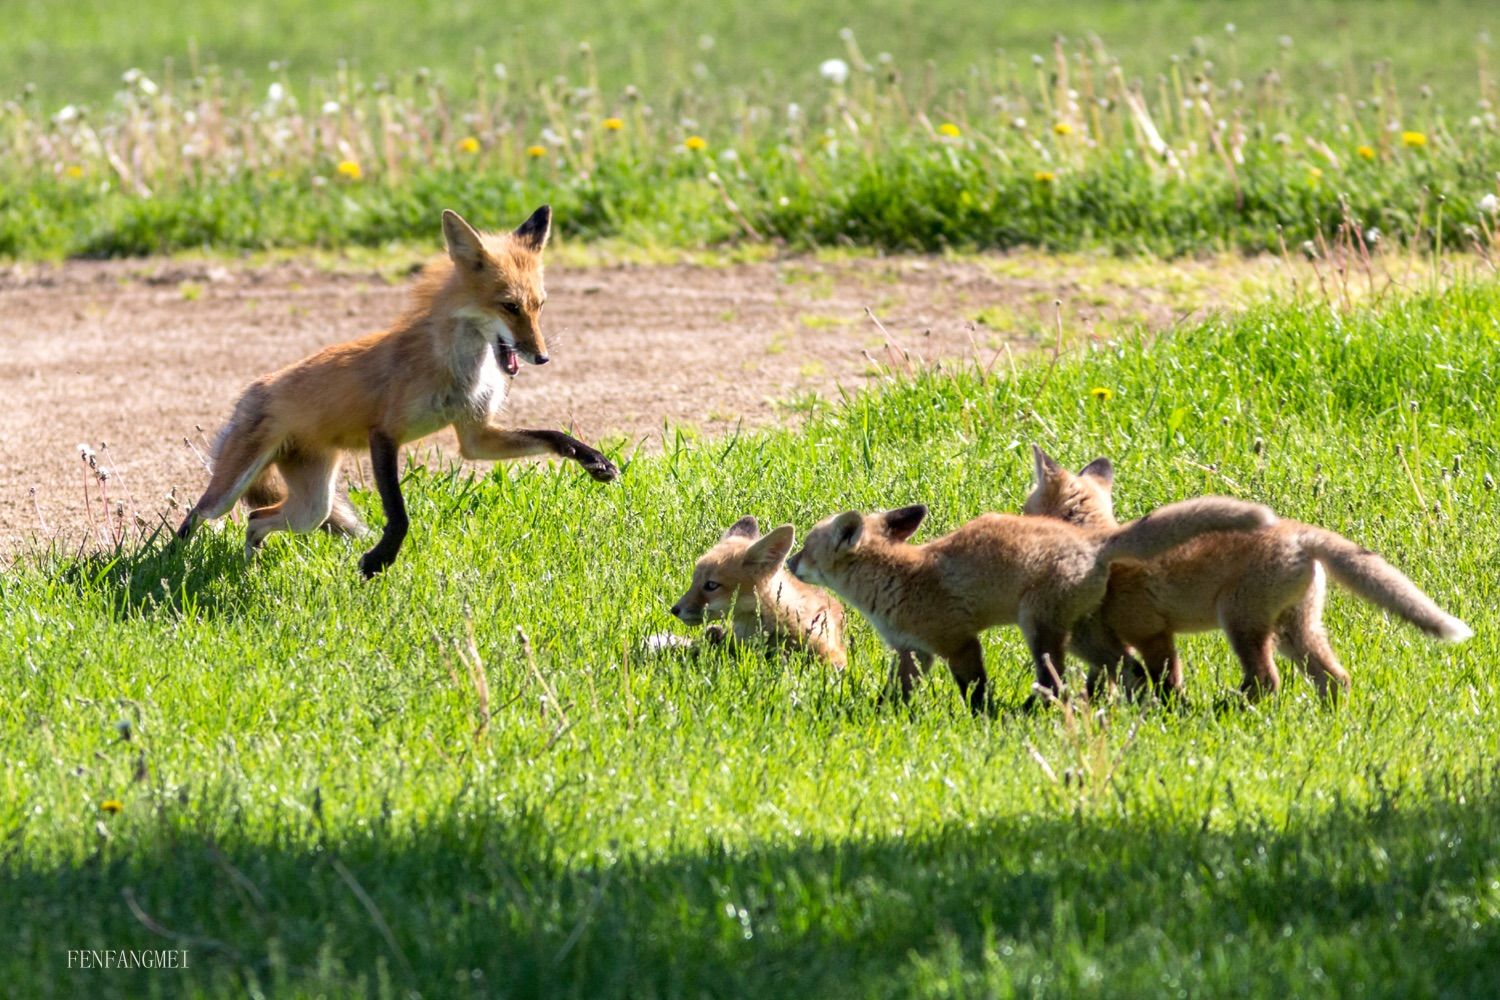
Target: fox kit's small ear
[[1101, 469], [847, 528], [1046, 465], [745, 527], [771, 551], [902, 523], [464, 244], [533, 233]]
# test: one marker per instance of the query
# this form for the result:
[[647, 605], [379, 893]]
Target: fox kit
[[1039, 573], [743, 577], [1263, 588], [475, 315]]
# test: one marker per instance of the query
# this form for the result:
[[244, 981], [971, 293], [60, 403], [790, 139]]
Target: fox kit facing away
[[999, 569], [1263, 588], [743, 576], [475, 315]]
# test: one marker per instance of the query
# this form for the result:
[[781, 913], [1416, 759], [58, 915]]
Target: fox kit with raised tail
[[1264, 588], [474, 316], [743, 577], [999, 569]]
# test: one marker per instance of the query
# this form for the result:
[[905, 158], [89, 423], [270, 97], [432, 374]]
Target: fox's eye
[[510, 307], [710, 586]]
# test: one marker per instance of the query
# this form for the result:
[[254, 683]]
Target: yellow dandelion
[[468, 144], [75, 171], [536, 152], [1314, 175], [1416, 140], [1365, 152], [1063, 128], [349, 170], [111, 806], [612, 124], [949, 130], [1102, 393], [696, 143], [1044, 177]]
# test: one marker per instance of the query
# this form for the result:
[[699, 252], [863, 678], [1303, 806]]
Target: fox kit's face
[[724, 580], [1085, 499], [501, 275], [831, 547]]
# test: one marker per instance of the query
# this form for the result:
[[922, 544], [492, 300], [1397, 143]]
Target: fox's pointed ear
[[847, 528], [1046, 465], [533, 233], [771, 551], [745, 527], [464, 245], [1101, 469], [902, 523]]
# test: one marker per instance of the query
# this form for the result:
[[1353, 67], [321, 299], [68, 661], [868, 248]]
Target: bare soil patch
[[139, 355]]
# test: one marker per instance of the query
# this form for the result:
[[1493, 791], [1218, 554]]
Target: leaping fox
[[474, 316]]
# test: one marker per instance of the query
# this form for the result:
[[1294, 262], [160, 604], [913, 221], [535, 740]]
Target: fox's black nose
[[676, 611], [791, 564], [541, 359]]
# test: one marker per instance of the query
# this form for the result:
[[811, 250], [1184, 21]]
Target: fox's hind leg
[[309, 498], [237, 468], [1301, 638], [343, 519]]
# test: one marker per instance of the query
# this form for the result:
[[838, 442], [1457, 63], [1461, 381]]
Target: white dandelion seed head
[[835, 71], [275, 93], [1489, 204], [330, 107]]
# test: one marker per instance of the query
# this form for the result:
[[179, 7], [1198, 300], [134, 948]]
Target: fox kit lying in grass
[[743, 577], [999, 569], [475, 315], [1263, 588]]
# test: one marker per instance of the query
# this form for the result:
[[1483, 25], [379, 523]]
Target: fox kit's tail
[[1169, 526], [1380, 583]]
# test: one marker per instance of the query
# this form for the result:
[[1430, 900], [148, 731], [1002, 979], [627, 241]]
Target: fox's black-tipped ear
[[771, 551], [1046, 465], [534, 231], [745, 527], [464, 245], [902, 523], [847, 528], [1101, 469]]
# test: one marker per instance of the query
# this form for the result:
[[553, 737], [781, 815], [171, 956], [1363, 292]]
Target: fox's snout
[[793, 563]]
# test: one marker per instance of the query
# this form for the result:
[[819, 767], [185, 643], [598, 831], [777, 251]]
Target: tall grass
[[1065, 151], [465, 778]]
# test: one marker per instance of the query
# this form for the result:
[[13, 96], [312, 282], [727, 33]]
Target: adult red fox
[[474, 316]]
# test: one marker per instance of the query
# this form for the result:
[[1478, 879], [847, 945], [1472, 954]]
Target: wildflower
[[468, 144], [835, 71], [111, 806], [696, 143], [1044, 177], [275, 93], [349, 170], [1365, 152], [67, 114], [1314, 175], [1063, 128], [1102, 393], [949, 130], [1415, 140], [330, 107], [536, 152], [74, 171], [612, 124], [1489, 205]]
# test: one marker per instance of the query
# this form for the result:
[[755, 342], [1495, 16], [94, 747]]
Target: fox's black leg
[[967, 665], [569, 447], [383, 455]]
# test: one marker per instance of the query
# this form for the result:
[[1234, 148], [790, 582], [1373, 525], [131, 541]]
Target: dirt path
[[137, 355]]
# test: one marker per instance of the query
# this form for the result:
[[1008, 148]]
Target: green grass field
[[1151, 128], [339, 788]]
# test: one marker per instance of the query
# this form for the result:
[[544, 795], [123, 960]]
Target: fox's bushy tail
[[1169, 526], [1383, 585]]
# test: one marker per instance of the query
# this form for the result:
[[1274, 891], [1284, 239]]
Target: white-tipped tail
[[1454, 630]]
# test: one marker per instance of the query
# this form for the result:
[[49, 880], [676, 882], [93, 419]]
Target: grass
[[1182, 144], [338, 788]]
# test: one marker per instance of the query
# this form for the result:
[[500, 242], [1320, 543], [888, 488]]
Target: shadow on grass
[[1391, 898]]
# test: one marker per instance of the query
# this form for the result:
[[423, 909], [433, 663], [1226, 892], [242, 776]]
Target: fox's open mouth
[[506, 355]]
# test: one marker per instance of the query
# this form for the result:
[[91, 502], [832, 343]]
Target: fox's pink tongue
[[510, 361]]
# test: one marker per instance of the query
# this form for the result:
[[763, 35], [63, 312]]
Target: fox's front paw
[[716, 635], [373, 562], [596, 465]]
